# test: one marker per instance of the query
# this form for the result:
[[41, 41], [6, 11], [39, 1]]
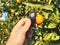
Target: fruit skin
[[18, 1], [12, 10], [0, 14], [39, 19]]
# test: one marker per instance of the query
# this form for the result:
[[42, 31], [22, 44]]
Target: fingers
[[26, 26], [23, 25], [19, 32], [19, 25]]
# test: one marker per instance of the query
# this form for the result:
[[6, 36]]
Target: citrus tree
[[47, 22]]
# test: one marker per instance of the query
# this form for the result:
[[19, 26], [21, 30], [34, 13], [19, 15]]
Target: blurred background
[[47, 33]]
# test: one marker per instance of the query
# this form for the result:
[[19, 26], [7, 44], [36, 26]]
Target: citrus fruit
[[39, 18], [18, 1], [12, 10], [0, 14]]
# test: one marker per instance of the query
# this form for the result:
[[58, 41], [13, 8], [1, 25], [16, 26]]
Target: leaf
[[51, 25], [32, 5], [37, 43], [50, 1], [55, 37], [47, 7], [55, 17], [47, 36], [45, 14], [4, 0]]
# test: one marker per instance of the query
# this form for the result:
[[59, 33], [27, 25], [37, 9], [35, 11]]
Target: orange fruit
[[39, 19], [12, 10], [0, 14], [18, 1]]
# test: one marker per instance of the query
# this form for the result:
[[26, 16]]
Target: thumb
[[26, 26]]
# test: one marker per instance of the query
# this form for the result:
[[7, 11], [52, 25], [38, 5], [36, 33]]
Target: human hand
[[18, 34]]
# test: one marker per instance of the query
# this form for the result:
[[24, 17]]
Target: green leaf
[[45, 14], [47, 7], [50, 1], [47, 36], [51, 25]]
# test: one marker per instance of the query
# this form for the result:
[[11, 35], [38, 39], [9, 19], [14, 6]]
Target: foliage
[[48, 33]]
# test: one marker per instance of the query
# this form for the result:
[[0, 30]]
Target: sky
[[4, 16]]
